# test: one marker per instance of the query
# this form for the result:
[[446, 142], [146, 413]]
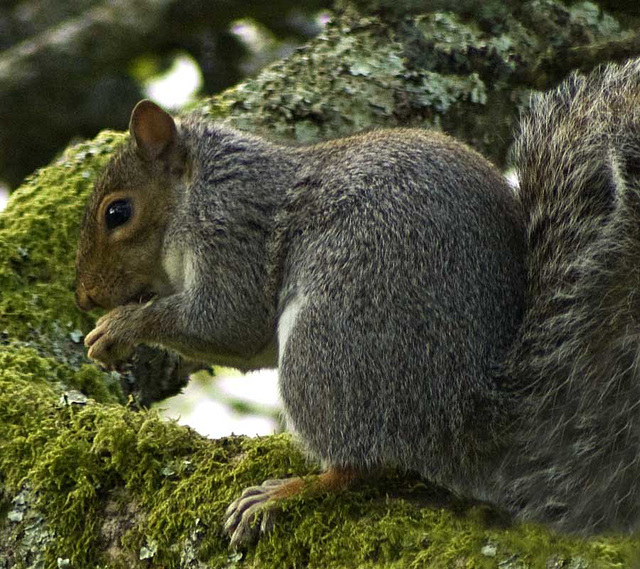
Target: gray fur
[[405, 249], [575, 459]]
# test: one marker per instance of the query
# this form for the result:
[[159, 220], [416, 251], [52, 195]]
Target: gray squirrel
[[420, 312]]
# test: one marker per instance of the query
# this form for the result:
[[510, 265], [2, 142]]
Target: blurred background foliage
[[71, 68]]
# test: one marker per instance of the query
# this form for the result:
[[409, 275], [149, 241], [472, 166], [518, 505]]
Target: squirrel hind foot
[[252, 514]]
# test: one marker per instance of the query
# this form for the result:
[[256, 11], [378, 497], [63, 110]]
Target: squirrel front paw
[[113, 338]]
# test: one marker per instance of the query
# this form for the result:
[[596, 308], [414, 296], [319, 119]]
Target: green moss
[[38, 231], [24, 362], [83, 462], [366, 529], [114, 485]]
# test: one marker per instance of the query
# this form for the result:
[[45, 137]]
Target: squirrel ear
[[152, 129]]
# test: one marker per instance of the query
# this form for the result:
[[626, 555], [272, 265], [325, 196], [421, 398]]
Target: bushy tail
[[575, 462]]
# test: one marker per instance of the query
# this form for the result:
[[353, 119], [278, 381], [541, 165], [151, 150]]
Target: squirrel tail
[[575, 458]]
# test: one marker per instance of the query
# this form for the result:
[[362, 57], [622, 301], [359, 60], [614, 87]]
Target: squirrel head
[[119, 257]]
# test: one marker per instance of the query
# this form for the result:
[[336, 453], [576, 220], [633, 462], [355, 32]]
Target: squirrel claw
[[241, 517], [109, 353]]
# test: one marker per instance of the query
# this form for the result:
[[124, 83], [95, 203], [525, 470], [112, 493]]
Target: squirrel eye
[[118, 213]]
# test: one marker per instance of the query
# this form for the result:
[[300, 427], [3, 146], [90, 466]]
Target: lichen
[[434, 71]]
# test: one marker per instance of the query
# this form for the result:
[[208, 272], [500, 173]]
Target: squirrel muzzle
[[84, 301]]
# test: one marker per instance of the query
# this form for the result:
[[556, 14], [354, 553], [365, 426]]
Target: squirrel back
[[575, 459]]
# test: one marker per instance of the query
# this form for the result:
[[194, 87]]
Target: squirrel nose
[[84, 301]]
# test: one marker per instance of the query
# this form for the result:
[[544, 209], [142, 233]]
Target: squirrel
[[421, 312], [382, 273]]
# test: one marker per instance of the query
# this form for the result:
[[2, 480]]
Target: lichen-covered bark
[[468, 77], [87, 482]]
